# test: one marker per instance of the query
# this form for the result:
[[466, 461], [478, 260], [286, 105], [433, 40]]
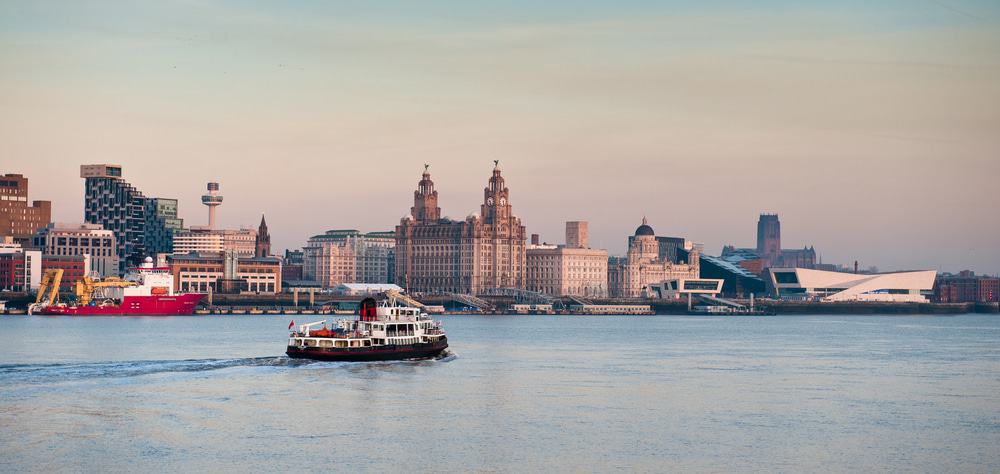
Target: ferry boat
[[381, 332], [145, 291]]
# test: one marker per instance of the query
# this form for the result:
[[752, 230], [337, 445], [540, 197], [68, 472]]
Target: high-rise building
[[161, 225], [570, 270], [263, 240], [72, 240], [18, 220], [349, 256], [486, 250], [116, 205], [644, 264]]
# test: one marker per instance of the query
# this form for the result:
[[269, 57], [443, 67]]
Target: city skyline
[[868, 129]]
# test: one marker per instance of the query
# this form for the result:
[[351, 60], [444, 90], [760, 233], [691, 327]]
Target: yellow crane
[[50, 284], [86, 286]]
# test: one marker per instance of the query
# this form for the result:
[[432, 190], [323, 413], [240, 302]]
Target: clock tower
[[496, 208]]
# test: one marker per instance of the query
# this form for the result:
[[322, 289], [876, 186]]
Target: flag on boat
[[291, 324]]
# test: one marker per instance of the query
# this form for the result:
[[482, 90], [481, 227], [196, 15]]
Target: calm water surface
[[521, 393]]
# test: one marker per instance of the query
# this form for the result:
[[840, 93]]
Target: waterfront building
[[63, 239], [292, 265], [573, 269], [739, 282], [438, 254], [161, 225], [349, 256], [769, 251], [22, 271], [217, 272], [647, 262], [142, 226], [262, 242], [203, 240], [679, 288], [818, 285], [967, 287], [18, 219], [116, 205]]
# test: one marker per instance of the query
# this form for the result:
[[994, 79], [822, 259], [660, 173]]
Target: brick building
[[18, 219]]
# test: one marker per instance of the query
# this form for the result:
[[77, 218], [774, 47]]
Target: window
[[788, 278]]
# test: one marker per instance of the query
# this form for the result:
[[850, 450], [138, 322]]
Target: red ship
[[145, 291]]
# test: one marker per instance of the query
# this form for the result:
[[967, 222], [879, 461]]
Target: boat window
[[341, 344]]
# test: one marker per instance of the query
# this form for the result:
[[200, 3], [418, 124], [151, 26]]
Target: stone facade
[[564, 271], [486, 250], [644, 265]]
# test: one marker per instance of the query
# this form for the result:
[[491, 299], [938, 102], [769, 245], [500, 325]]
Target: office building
[[217, 272], [64, 239], [439, 254], [349, 256], [161, 225], [573, 269], [18, 219], [203, 240]]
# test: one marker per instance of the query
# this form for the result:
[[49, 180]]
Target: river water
[[518, 394]]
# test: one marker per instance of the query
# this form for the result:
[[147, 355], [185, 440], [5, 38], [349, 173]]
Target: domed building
[[486, 250], [650, 260]]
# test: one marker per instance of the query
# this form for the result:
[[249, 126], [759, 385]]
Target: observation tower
[[212, 199]]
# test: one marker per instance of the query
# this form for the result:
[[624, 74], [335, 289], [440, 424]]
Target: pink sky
[[872, 131]]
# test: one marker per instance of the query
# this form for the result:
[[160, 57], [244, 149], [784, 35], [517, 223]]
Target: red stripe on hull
[[365, 354], [178, 305]]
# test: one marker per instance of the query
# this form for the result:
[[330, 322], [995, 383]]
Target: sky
[[871, 128]]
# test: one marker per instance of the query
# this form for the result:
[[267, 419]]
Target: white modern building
[[676, 288], [806, 284]]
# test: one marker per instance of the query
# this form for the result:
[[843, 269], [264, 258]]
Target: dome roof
[[644, 229]]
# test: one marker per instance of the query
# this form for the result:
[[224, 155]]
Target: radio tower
[[213, 200]]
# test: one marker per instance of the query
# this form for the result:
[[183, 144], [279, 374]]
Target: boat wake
[[53, 373], [44, 373]]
